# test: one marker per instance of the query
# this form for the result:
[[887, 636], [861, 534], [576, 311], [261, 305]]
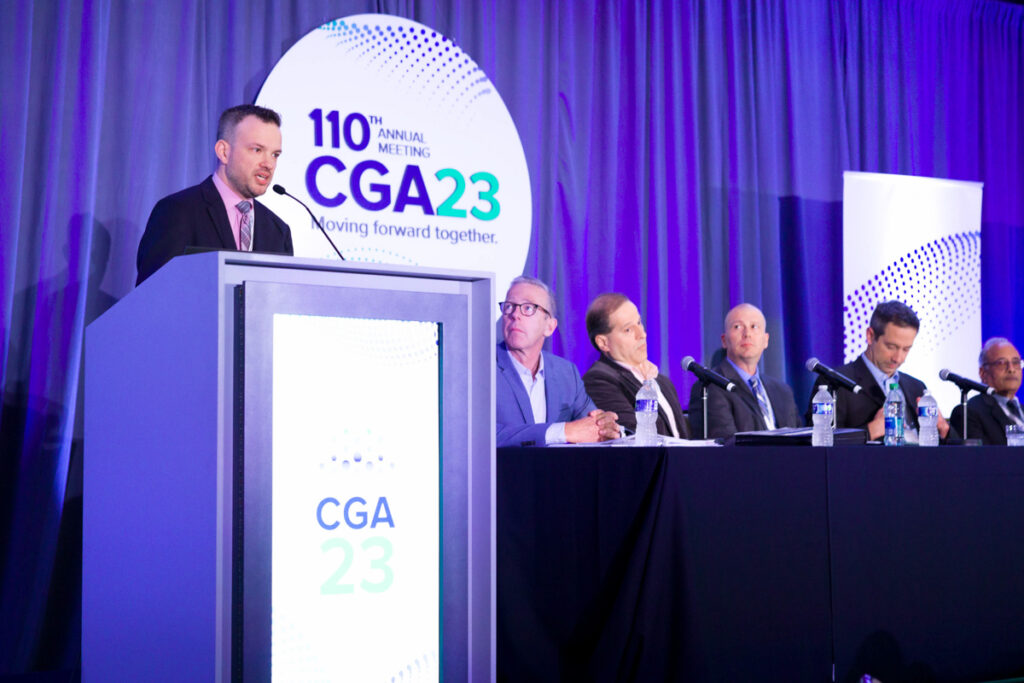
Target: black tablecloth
[[742, 564]]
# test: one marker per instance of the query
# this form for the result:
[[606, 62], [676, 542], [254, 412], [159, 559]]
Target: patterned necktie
[[762, 400], [245, 228], [1015, 409]]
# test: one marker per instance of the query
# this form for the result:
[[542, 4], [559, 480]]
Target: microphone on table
[[280, 190], [964, 383], [707, 375]]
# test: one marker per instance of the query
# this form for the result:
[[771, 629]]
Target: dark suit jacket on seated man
[[890, 335], [988, 416], [759, 402], [208, 215], [616, 330], [540, 397]]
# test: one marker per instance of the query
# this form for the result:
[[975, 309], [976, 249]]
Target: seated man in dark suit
[[615, 329], [540, 397], [988, 416], [221, 212], [759, 402], [890, 335]]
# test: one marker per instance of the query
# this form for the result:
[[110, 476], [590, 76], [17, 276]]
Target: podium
[[289, 474]]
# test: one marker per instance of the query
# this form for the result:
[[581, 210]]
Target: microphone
[[964, 383], [707, 376], [280, 190], [814, 365]]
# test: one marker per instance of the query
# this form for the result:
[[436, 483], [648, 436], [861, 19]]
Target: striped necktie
[[762, 401], [245, 227]]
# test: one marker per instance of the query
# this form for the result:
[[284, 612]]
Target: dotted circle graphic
[[433, 63], [940, 280]]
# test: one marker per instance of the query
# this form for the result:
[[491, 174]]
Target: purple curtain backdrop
[[689, 154]]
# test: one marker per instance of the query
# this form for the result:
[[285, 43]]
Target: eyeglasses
[[1005, 364], [509, 308]]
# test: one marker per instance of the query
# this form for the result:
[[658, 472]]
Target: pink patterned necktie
[[245, 228]]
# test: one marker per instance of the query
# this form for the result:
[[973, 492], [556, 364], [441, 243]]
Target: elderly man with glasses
[[989, 415], [540, 397]]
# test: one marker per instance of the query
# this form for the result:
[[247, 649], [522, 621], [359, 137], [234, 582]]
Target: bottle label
[[927, 411], [647, 405], [894, 425], [822, 408]]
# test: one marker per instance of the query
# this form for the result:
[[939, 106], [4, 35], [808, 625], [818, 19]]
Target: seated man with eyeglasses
[[988, 416], [540, 397]]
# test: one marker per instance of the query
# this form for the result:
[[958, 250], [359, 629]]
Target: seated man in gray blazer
[[759, 401]]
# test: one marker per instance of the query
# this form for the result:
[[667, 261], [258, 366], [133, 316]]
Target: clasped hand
[[598, 425]]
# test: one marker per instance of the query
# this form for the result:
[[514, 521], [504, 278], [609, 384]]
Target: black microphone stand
[[704, 402], [963, 407]]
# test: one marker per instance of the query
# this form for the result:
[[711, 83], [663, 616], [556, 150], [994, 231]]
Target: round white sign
[[402, 148]]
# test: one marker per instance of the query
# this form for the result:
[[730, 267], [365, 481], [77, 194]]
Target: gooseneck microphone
[[280, 190], [815, 365], [707, 375], [964, 383]]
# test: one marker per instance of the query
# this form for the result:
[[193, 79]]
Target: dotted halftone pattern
[[940, 280], [424, 668], [424, 60]]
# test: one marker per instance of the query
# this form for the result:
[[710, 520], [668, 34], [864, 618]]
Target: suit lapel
[[263, 229], [997, 412], [776, 400], [510, 375], [866, 380], [633, 385], [552, 389], [743, 391], [218, 214]]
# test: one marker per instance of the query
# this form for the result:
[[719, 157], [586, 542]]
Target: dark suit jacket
[[985, 420], [857, 410], [738, 411], [196, 217], [614, 388], [564, 394]]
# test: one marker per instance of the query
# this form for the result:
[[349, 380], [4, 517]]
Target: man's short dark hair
[[233, 116], [895, 312], [599, 313]]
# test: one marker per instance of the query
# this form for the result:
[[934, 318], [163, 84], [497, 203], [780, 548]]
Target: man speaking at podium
[[221, 212]]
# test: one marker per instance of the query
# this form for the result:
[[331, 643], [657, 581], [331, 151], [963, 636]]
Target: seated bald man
[[988, 416], [759, 402], [540, 397], [616, 330]]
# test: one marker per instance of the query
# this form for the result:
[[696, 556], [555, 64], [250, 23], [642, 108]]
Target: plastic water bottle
[[894, 416], [823, 408], [647, 414], [928, 419]]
